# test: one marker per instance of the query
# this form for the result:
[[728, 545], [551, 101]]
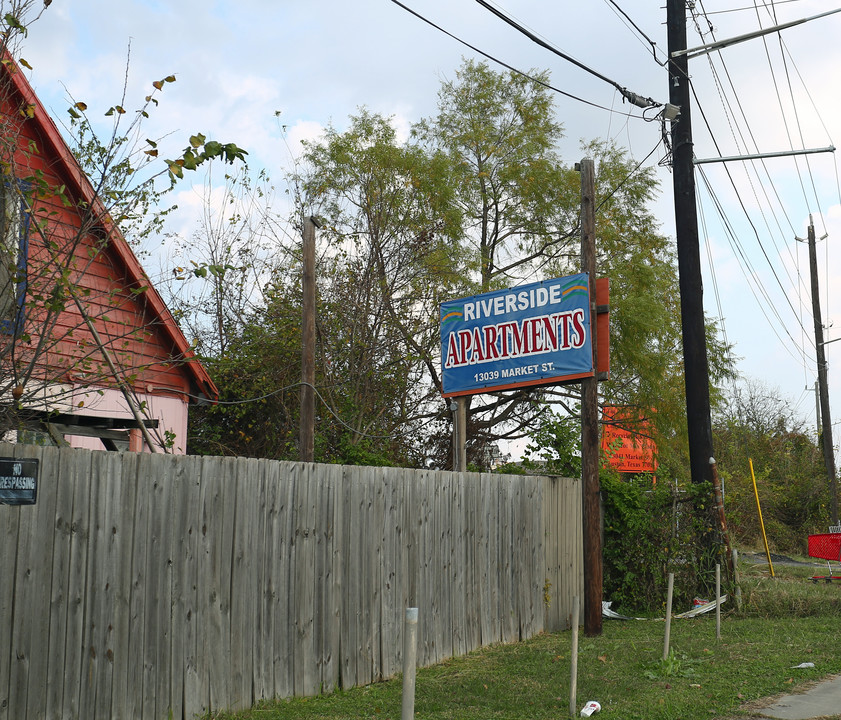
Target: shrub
[[652, 529]]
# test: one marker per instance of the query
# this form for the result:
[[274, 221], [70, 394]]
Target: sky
[[268, 73]]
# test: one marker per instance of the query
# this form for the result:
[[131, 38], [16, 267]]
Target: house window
[[12, 258]]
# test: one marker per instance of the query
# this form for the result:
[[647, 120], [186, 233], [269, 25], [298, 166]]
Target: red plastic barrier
[[826, 546]]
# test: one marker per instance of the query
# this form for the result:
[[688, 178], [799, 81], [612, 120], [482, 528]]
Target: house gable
[[89, 307]]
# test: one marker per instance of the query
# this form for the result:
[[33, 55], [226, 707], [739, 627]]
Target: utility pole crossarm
[[763, 156], [710, 47]]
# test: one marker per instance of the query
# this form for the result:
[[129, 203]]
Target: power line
[[639, 31], [758, 240], [505, 64], [750, 276], [745, 211], [798, 282], [632, 97], [604, 200]]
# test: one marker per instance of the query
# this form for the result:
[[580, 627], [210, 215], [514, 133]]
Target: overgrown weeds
[[791, 593]]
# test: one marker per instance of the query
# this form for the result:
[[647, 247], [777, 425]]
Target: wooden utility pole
[[825, 428], [590, 488], [688, 253], [307, 430], [458, 406]]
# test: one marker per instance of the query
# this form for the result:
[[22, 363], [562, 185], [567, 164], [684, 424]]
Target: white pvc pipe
[[573, 681], [410, 653]]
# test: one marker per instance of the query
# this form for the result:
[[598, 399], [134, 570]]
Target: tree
[[518, 202], [389, 223], [219, 276], [476, 199], [757, 424], [384, 264], [63, 334]]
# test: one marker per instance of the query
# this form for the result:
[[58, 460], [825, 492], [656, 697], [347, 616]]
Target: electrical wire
[[747, 216], [761, 247], [503, 63], [788, 63], [607, 197], [629, 21], [755, 147], [714, 276], [632, 97], [750, 276]]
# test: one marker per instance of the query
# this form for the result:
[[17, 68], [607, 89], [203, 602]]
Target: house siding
[[103, 276]]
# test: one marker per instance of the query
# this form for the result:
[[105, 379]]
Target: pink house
[[89, 353]]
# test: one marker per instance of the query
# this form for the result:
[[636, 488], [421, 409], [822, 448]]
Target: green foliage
[[259, 377], [500, 130], [201, 150], [651, 530], [555, 447], [365, 452], [511, 468], [758, 425], [476, 199], [674, 666]]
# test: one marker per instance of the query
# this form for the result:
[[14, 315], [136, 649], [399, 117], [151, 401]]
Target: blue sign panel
[[536, 334]]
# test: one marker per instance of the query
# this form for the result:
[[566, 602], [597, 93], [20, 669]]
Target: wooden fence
[[140, 585]]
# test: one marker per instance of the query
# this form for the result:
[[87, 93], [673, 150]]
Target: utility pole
[[458, 406], [688, 252], [307, 419], [590, 488], [825, 428]]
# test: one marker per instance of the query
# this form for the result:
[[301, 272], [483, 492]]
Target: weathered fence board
[[33, 576], [140, 585]]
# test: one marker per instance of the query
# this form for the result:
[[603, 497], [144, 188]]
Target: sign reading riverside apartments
[[536, 334]]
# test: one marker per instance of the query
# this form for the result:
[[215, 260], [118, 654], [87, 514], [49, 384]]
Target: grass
[[783, 622]]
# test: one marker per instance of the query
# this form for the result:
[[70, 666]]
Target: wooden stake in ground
[[668, 616], [573, 680], [717, 601]]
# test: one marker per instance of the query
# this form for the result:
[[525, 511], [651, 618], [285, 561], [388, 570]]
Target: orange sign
[[627, 444]]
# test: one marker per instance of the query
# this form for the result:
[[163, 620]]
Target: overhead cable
[[630, 96], [744, 208], [503, 63], [750, 276], [637, 28]]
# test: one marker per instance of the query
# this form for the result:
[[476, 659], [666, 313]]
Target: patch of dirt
[[756, 557]]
